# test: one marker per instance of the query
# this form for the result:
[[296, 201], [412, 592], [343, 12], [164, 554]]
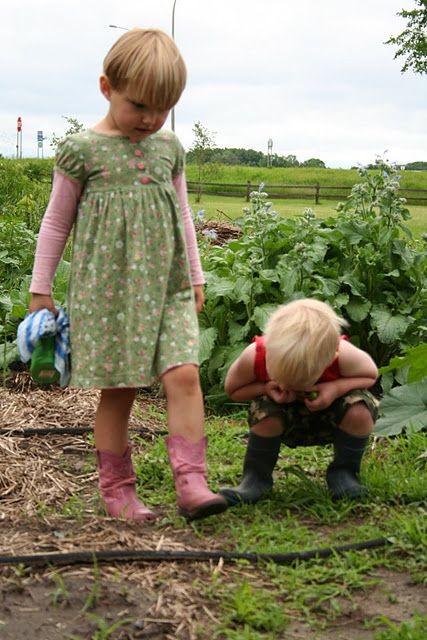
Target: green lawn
[[225, 207]]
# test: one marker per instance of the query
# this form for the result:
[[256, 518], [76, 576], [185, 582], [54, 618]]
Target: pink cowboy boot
[[187, 459], [117, 485]]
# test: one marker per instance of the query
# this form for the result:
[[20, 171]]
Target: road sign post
[[40, 143], [19, 137]]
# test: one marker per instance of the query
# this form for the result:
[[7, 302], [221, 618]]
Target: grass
[[25, 187], [229, 208], [313, 599], [299, 515], [306, 176]]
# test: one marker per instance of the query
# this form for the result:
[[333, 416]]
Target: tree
[[416, 166], [313, 162], [202, 147], [74, 126], [412, 42]]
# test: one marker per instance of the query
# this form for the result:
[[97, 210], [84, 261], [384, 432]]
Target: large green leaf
[[237, 332], [217, 286], [354, 232], [415, 358], [5, 303], [262, 313], [206, 343], [404, 408], [390, 327], [358, 311], [356, 287], [340, 300], [242, 289], [232, 353]]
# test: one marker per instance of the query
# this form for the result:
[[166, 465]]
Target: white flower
[[211, 234]]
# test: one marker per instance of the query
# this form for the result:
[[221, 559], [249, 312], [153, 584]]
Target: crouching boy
[[308, 385]]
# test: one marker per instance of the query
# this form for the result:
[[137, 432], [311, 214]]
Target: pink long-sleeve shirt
[[58, 221]]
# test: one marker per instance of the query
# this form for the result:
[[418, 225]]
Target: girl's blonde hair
[[148, 65], [301, 340]]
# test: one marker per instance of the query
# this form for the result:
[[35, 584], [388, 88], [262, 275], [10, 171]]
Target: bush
[[364, 263]]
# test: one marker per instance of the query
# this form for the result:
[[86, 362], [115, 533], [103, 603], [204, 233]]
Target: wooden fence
[[287, 191]]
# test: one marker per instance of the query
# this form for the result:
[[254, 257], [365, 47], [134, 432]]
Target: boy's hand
[[320, 397], [277, 394], [41, 301]]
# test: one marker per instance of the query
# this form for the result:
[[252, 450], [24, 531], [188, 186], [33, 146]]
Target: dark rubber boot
[[342, 473], [260, 460]]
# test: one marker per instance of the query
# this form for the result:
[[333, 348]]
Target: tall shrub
[[364, 263]]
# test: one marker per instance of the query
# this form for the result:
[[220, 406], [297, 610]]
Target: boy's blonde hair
[[148, 65], [301, 339]]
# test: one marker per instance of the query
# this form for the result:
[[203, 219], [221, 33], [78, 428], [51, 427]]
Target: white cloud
[[314, 77]]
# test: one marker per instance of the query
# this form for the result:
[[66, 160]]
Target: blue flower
[[200, 214]]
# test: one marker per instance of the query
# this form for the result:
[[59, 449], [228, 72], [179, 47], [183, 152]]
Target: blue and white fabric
[[43, 324]]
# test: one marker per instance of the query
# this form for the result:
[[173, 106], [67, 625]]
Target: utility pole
[[173, 38]]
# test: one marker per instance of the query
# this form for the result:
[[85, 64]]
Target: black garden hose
[[69, 431], [89, 557]]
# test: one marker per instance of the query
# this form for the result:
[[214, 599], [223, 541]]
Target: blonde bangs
[[147, 64]]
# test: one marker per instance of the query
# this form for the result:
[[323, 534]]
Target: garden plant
[[366, 264]]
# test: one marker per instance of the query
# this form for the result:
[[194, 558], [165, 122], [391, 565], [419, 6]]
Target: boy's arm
[[355, 363], [240, 382], [358, 371]]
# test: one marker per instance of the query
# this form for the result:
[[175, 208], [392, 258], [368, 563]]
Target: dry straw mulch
[[23, 405], [42, 476]]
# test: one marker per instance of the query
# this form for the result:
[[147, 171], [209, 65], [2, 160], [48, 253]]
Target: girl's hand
[[321, 396], [41, 301], [199, 296], [282, 396]]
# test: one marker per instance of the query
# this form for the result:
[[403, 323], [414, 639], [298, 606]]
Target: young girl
[[308, 385], [136, 280]]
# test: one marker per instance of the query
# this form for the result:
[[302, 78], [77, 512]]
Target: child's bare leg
[[185, 402], [358, 421], [187, 444], [260, 459], [117, 480], [268, 427], [112, 419], [351, 439]]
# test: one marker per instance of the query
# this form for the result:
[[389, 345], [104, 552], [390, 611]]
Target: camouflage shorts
[[302, 427]]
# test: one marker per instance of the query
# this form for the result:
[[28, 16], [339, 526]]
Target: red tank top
[[332, 372]]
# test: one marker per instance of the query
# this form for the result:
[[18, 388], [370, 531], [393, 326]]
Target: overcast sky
[[312, 75]]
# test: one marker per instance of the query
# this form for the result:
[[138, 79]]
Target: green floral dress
[[131, 303]]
